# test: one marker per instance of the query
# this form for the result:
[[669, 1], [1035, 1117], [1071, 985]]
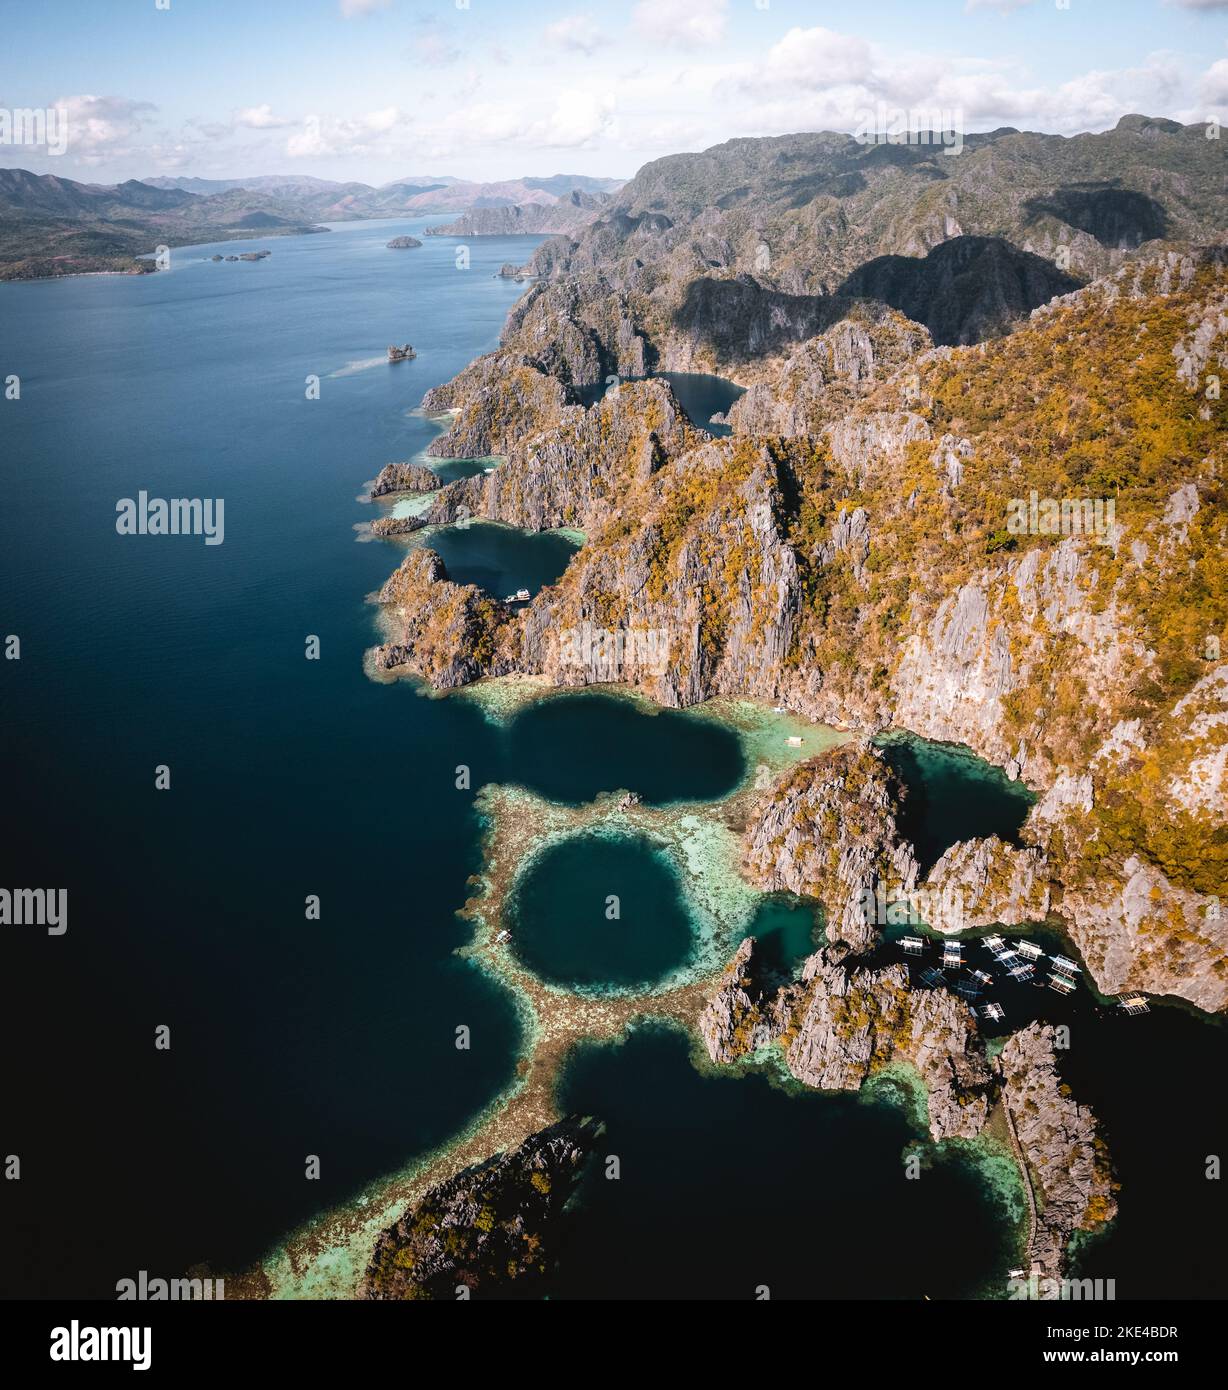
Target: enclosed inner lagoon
[[501, 559], [571, 747], [952, 795], [601, 910]]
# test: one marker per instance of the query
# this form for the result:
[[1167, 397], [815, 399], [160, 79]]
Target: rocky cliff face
[[840, 1024], [497, 400], [1017, 546], [493, 1229], [982, 883], [581, 331], [448, 634], [828, 831], [1068, 1162], [403, 477], [578, 471], [816, 384]]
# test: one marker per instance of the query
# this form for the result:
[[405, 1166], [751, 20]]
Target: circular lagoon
[[600, 910]]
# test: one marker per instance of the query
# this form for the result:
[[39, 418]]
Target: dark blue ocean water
[[289, 777], [292, 1037]]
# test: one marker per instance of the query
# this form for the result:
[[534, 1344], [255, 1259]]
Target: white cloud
[[101, 128], [1214, 85], [1002, 6], [350, 9], [817, 58], [328, 136], [579, 118], [576, 33], [688, 23], [260, 118]]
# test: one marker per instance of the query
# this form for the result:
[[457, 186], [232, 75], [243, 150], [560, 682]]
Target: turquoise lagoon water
[[335, 1037], [600, 909]]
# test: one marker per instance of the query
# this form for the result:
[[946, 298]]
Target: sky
[[381, 90]]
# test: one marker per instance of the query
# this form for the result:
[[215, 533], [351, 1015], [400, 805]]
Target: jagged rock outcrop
[[583, 332], [493, 1229], [840, 1024], [1138, 931], [1068, 1163], [404, 477], [828, 830], [864, 446], [698, 568], [498, 399], [387, 526], [448, 634], [818, 381], [578, 472], [981, 883]]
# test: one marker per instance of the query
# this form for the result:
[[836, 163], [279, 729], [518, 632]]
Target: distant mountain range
[[561, 217], [767, 231], [54, 226]]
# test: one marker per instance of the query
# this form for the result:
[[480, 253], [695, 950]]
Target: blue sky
[[380, 89]]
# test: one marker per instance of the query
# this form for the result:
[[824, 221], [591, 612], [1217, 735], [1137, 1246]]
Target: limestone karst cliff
[[869, 547]]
